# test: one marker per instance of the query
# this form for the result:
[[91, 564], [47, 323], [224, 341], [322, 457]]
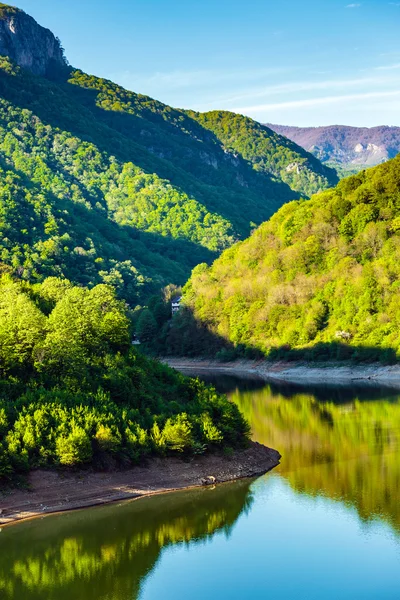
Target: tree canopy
[[102, 185], [74, 392]]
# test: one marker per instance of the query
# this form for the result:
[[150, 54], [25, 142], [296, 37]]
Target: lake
[[324, 525]]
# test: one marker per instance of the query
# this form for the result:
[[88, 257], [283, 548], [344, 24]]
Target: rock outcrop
[[28, 44]]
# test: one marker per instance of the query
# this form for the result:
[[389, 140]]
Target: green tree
[[146, 328]]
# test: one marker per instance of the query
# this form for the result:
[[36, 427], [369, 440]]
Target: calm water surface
[[324, 525]]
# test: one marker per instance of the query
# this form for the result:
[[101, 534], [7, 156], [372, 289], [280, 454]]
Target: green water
[[324, 525]]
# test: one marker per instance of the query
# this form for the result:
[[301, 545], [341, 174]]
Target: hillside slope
[[100, 184], [321, 278], [346, 146], [269, 152]]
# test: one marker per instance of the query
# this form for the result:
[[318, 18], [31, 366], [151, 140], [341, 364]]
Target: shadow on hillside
[[180, 158], [188, 337], [162, 260]]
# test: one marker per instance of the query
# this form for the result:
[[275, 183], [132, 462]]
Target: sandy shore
[[52, 491], [301, 373]]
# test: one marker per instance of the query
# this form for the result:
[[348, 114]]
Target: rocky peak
[[28, 44]]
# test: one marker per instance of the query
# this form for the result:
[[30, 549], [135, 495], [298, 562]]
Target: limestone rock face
[[28, 44]]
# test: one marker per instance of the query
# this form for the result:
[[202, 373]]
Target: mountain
[[269, 152], [347, 147], [320, 279], [99, 184]]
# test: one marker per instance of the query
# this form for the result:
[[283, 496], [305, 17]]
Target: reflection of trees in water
[[348, 451], [104, 553]]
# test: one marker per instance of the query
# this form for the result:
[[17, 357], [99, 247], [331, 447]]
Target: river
[[324, 525]]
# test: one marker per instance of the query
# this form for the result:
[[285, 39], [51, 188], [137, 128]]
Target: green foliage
[[74, 449], [64, 211], [177, 433], [146, 327], [318, 281], [74, 392], [269, 152], [6, 9], [101, 185]]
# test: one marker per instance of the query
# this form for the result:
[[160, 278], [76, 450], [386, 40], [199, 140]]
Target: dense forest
[[319, 280], [74, 392], [269, 152], [103, 185]]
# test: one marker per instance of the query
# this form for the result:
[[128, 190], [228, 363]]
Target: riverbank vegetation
[[74, 392]]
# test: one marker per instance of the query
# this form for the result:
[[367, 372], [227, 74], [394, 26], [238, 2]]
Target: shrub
[[75, 448]]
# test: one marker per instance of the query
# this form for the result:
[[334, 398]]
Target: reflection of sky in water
[[290, 547]]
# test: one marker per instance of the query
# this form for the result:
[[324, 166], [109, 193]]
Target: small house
[[176, 304]]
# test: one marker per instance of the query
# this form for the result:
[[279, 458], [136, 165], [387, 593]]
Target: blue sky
[[294, 62]]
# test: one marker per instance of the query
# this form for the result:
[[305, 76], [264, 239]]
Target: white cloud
[[388, 67], [306, 86], [355, 5], [310, 102], [183, 79]]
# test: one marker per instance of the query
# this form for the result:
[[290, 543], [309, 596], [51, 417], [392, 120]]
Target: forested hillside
[[269, 152], [319, 280], [102, 185], [74, 392]]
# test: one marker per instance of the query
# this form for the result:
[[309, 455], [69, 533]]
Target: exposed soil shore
[[52, 491], [296, 372]]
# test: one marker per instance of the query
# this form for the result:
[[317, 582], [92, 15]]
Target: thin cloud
[[388, 67], [308, 86], [353, 5], [311, 102], [187, 79]]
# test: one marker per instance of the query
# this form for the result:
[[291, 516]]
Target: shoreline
[[301, 373], [59, 491]]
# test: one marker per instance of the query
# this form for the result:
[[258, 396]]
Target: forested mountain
[[99, 184], [319, 280], [269, 152], [346, 148]]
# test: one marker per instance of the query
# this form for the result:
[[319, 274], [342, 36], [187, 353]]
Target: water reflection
[[340, 464], [106, 553], [339, 442]]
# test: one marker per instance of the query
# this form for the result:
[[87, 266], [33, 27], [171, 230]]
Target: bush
[[74, 449]]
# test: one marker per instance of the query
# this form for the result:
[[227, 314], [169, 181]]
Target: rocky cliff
[[27, 43]]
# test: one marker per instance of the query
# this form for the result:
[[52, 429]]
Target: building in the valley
[[176, 304]]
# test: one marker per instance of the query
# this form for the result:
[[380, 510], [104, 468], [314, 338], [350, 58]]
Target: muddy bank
[[302, 373], [51, 491]]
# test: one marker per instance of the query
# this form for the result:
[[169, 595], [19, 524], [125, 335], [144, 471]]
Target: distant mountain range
[[339, 145]]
